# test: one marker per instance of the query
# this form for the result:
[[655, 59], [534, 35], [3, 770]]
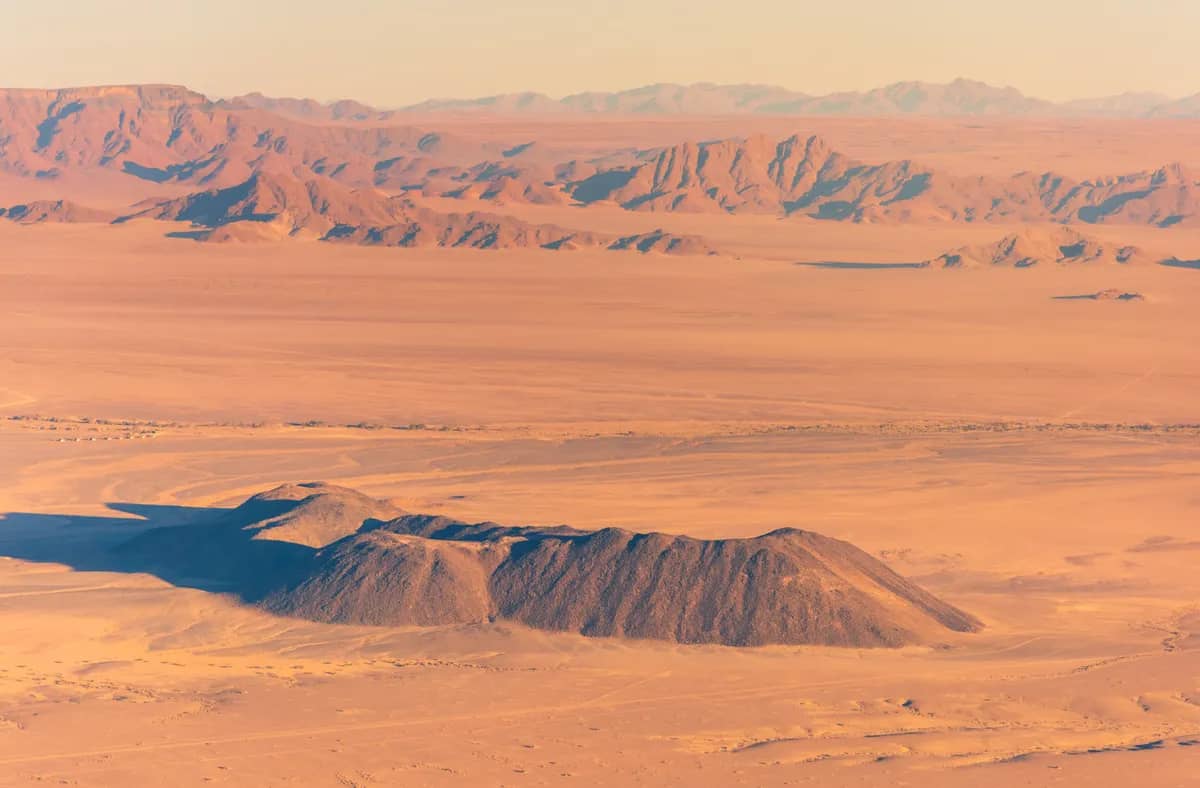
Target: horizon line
[[213, 97]]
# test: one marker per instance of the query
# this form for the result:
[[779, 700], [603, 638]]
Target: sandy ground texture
[[1031, 460]]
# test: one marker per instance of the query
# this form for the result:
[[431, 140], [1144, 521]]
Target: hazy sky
[[401, 51]]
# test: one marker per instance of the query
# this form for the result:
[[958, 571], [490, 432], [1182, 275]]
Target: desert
[[1028, 460], [696, 433]]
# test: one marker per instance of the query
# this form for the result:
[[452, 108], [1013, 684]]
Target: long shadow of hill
[[209, 548], [191, 547]]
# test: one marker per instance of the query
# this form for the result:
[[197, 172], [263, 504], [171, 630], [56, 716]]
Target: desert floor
[[1031, 460]]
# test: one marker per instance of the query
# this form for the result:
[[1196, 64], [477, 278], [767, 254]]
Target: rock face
[[1030, 247], [328, 554]]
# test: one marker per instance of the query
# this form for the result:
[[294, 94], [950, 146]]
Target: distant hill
[[697, 99], [1034, 247], [273, 206], [55, 211], [1123, 105], [804, 175], [326, 553], [306, 109], [309, 207], [960, 97], [1188, 107]]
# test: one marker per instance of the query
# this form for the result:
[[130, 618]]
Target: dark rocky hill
[[328, 553]]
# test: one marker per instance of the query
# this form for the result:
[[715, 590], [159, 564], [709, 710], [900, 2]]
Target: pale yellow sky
[[393, 53]]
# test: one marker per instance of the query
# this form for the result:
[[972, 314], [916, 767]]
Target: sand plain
[[1031, 460]]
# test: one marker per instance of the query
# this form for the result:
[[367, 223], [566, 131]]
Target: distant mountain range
[[962, 97]]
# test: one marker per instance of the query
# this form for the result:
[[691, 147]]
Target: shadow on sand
[[213, 554], [844, 265]]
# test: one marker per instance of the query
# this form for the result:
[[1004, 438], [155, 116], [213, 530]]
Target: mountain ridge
[[958, 98], [806, 176], [272, 205], [170, 138]]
